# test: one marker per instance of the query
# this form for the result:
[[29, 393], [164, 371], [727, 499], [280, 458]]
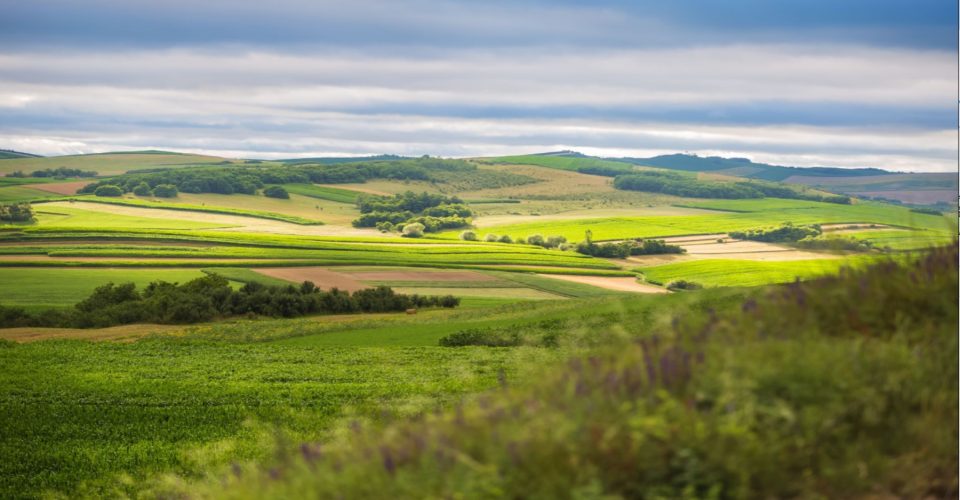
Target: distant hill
[[113, 163], [8, 154], [921, 188], [743, 167], [333, 160]]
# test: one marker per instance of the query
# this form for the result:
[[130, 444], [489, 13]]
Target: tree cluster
[[16, 212], [678, 184], [247, 180], [786, 233], [211, 297], [57, 173], [434, 211], [624, 249]]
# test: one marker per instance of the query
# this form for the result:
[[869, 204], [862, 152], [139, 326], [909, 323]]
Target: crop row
[[293, 219]]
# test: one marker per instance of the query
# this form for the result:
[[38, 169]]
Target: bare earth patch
[[64, 188], [424, 275], [707, 247], [322, 277], [610, 283]]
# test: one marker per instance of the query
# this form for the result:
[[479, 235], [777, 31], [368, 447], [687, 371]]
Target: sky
[[792, 82]]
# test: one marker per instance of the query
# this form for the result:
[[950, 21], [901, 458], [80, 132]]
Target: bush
[[786, 233], [165, 191], [468, 236], [16, 212], [142, 189], [680, 285], [276, 192], [414, 230], [108, 190], [491, 238], [505, 239], [479, 337], [536, 239], [554, 241]]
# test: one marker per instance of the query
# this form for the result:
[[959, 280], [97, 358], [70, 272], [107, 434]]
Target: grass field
[[110, 163], [323, 192], [66, 287], [68, 217], [165, 205], [732, 215], [12, 193], [560, 162], [720, 272]]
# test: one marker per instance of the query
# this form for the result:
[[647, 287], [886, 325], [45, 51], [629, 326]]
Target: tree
[[414, 230], [468, 236], [505, 239], [165, 191], [491, 238], [276, 192], [536, 239], [108, 190], [142, 189]]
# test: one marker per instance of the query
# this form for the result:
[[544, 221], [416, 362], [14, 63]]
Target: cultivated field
[[146, 409]]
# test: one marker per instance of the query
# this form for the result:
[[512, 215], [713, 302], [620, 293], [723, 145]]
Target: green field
[[323, 192], [733, 215], [65, 287], [175, 410], [559, 162], [721, 272]]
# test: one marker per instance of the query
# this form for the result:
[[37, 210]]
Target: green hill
[[7, 154]]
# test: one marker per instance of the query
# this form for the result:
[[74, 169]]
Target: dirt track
[[322, 277], [610, 283], [424, 275]]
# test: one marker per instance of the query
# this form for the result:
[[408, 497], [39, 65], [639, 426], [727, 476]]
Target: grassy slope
[[721, 272], [67, 217], [108, 163], [844, 388], [559, 162], [175, 206], [736, 215], [65, 287], [323, 192]]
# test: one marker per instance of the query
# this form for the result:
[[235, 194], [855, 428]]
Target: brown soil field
[[424, 275], [123, 333], [322, 277], [165, 260], [64, 188], [610, 283]]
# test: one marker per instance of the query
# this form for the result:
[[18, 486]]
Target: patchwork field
[[120, 410]]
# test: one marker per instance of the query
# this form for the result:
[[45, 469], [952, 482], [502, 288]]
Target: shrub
[[536, 239], [142, 189], [490, 238], [479, 337], [276, 192], [414, 230], [505, 239], [680, 285], [16, 212], [786, 233], [108, 190], [468, 236], [165, 191], [554, 241]]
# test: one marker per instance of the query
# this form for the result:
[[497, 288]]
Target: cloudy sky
[[795, 82]]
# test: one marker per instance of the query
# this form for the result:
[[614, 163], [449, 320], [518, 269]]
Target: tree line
[[16, 212], [247, 180], [689, 186], [59, 173], [211, 297]]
